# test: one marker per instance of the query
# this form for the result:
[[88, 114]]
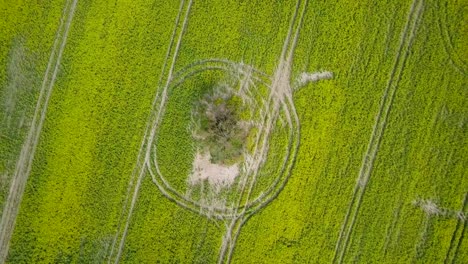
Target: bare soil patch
[[218, 176]]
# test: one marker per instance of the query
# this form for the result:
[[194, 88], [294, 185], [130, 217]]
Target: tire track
[[459, 231], [423, 235], [462, 236], [212, 210], [442, 24], [25, 160], [391, 228], [280, 90], [406, 41], [218, 211], [139, 164], [147, 140]]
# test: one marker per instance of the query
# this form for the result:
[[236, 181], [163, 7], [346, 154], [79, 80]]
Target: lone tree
[[218, 128]]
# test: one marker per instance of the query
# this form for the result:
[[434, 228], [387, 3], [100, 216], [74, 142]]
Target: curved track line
[[164, 186], [370, 155], [25, 160], [162, 183], [454, 58]]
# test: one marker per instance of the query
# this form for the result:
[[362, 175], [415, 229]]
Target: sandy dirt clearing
[[218, 176]]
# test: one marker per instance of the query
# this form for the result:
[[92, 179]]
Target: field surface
[[357, 152]]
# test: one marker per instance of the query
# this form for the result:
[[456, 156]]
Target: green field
[[370, 166]]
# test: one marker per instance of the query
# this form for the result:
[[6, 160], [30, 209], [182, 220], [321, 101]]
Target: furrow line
[[460, 240]]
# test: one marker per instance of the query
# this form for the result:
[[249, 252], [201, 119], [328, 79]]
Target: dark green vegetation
[[217, 126], [102, 98]]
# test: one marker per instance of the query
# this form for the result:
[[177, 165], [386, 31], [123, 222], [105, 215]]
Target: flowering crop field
[[335, 131]]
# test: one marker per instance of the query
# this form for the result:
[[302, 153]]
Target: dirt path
[[24, 163], [406, 41]]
